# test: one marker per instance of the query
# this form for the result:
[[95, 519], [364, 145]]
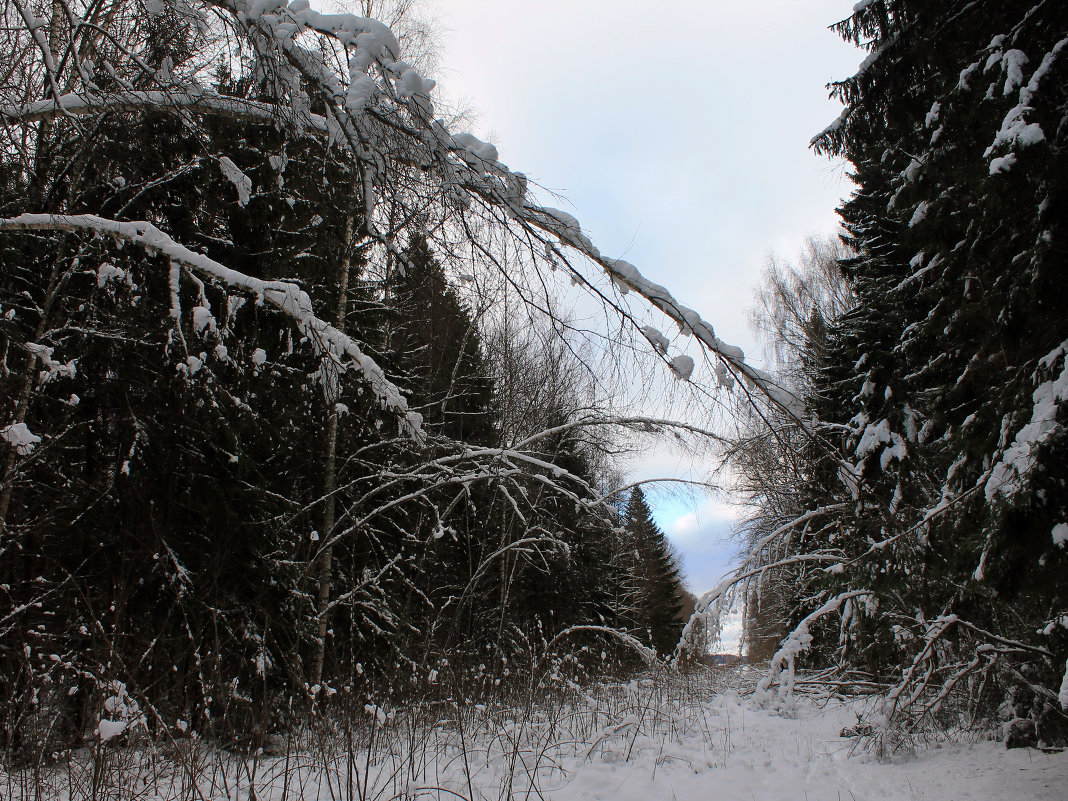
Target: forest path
[[755, 754]]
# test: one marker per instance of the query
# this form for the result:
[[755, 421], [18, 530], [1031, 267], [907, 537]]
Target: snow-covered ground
[[647, 740], [762, 755]]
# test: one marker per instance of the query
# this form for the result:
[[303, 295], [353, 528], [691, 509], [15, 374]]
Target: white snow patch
[[625, 275], [567, 220], [410, 84], [203, 320], [965, 76], [682, 365], [376, 712], [1008, 475], [895, 450], [120, 713], [919, 215], [1015, 130], [53, 368], [1060, 535], [360, 92], [1028, 92], [108, 272], [659, 341], [1062, 696], [20, 437], [874, 435], [242, 183], [932, 115], [107, 729], [723, 376], [1002, 163], [475, 149], [1013, 61]]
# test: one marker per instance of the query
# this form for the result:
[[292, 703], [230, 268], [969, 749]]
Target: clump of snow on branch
[[121, 713], [1063, 695], [682, 366], [242, 183], [20, 438], [1009, 474], [53, 368], [1060, 535]]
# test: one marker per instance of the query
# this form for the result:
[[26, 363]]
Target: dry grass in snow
[[661, 737]]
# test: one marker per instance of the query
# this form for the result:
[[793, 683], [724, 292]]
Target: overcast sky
[[678, 133]]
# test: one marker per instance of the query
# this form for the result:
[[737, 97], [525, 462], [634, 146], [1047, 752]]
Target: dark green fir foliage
[[174, 474], [169, 511], [659, 594], [436, 345], [948, 377]]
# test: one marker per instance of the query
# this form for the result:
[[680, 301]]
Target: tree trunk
[[326, 557]]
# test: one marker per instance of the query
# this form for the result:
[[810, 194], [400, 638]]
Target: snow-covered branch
[[286, 297], [796, 643]]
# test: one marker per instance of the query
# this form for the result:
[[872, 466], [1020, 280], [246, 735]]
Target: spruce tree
[[660, 596], [948, 379], [435, 347]]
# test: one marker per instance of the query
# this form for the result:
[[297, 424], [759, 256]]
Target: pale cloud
[[684, 527], [709, 514], [683, 530]]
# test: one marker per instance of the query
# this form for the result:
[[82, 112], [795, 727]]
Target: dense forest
[[291, 419], [266, 448]]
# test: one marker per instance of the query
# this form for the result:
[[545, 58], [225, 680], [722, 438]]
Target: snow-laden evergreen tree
[[941, 526], [920, 508]]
